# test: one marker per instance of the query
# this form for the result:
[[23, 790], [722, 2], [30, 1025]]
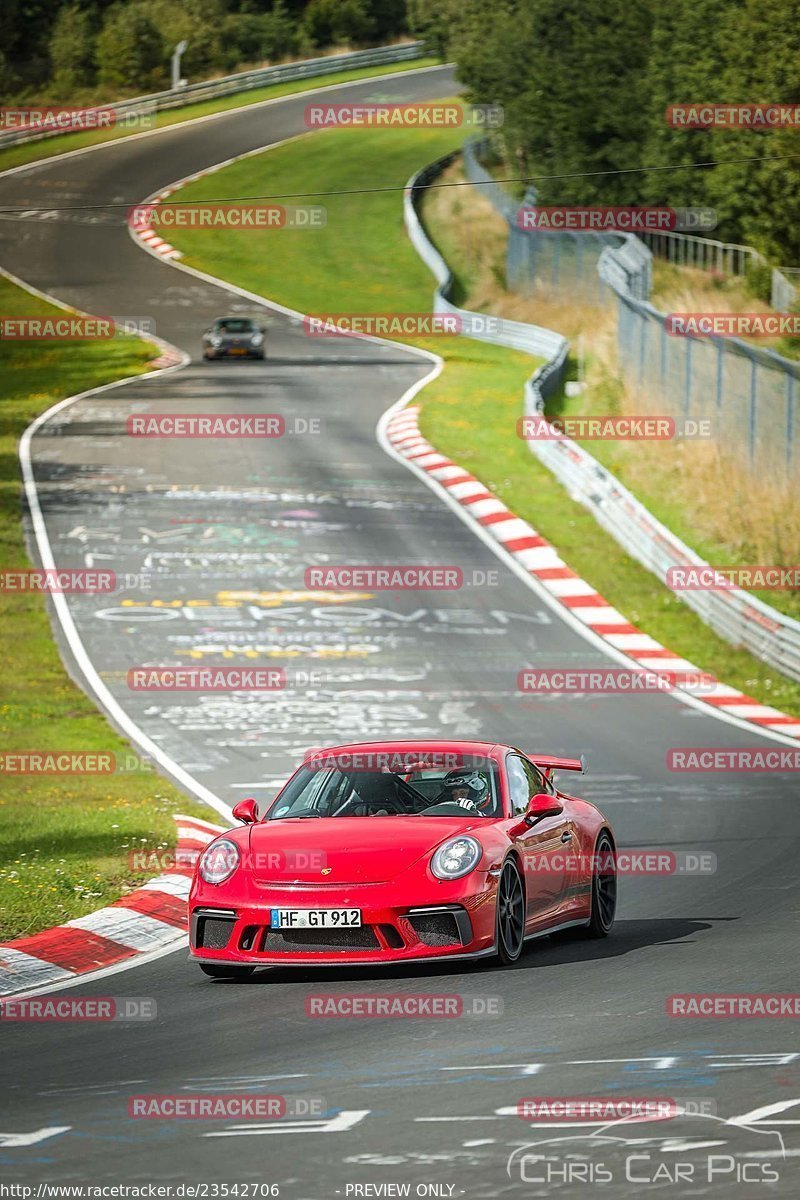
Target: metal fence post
[[753, 402], [789, 418], [687, 399]]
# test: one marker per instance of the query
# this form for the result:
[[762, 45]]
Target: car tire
[[604, 890], [259, 357], [510, 914], [223, 971]]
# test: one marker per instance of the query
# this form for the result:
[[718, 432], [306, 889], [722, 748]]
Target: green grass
[[64, 840], [15, 156], [362, 261]]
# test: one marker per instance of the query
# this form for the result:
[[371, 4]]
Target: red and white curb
[[141, 228], [536, 555], [150, 918], [169, 357]]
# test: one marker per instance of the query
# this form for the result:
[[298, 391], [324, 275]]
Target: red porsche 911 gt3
[[400, 852]]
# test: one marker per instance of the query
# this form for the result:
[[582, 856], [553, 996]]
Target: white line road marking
[[14, 1141], [526, 1068], [339, 1124], [756, 1117]]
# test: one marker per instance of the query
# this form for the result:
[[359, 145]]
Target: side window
[[536, 782], [517, 784]]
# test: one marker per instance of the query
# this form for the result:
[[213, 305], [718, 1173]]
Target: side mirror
[[540, 805], [246, 811]]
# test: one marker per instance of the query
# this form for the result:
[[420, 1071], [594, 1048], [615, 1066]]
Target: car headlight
[[219, 860], [215, 339], [456, 858], [256, 339]]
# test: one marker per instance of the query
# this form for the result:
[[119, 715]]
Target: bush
[[758, 280]]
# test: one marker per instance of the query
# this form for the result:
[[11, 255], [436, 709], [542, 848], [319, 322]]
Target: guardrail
[[784, 294], [132, 111], [516, 334], [735, 615]]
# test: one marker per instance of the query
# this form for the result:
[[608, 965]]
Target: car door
[[544, 847]]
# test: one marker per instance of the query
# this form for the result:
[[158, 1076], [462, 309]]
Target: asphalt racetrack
[[215, 537]]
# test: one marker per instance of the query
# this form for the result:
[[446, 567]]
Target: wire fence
[[740, 618], [747, 396]]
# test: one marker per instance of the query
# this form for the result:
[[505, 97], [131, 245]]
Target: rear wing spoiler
[[549, 763]]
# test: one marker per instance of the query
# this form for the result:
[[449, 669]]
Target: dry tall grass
[[720, 506]]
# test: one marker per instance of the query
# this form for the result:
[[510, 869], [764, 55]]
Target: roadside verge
[[153, 918]]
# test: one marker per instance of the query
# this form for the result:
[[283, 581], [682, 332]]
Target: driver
[[467, 788]]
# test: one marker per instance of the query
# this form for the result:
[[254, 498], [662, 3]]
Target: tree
[[759, 202], [72, 45], [433, 23], [570, 75], [280, 32], [328, 22], [389, 18], [130, 51]]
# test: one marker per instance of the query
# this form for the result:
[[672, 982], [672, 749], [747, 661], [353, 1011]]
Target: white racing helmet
[[474, 783]]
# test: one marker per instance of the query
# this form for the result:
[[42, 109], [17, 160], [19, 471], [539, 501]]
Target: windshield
[[235, 325], [433, 791]]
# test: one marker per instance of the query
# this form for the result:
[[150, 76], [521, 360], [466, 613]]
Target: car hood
[[336, 850]]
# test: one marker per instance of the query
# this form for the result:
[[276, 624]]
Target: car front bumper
[[233, 351], [460, 922]]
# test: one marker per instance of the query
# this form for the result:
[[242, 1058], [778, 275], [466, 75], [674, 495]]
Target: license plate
[[314, 918], [237, 350]]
